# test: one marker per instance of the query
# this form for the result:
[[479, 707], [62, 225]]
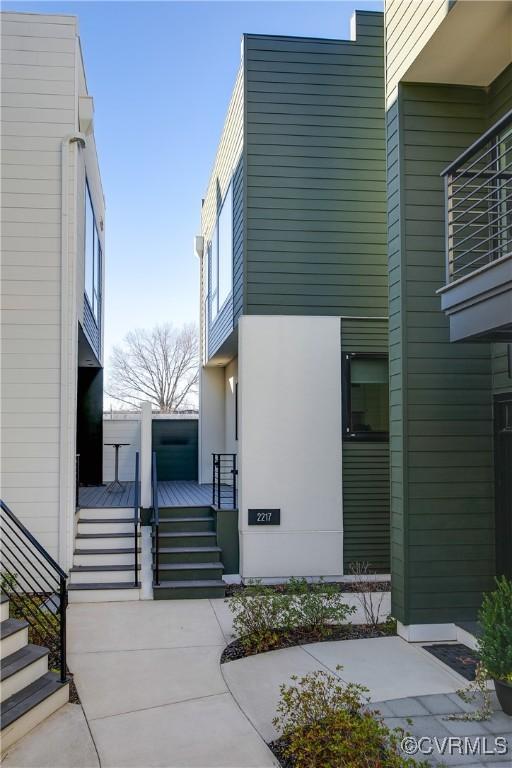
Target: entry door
[[503, 482]]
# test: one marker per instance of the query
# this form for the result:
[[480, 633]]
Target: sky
[[161, 74]]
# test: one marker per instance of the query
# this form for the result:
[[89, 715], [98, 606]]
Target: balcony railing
[[478, 188]]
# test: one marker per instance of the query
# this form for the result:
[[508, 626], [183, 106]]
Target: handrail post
[[77, 481], [135, 519], [213, 479], [156, 517], [235, 473], [63, 599], [218, 480]]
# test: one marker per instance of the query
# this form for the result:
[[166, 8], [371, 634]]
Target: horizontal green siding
[[366, 505], [315, 174], [366, 526], [441, 409]]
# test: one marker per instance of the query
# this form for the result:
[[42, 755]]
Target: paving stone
[[409, 707], [500, 724], [383, 708], [463, 727], [437, 703], [462, 706]]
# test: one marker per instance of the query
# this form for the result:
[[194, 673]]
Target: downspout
[[67, 291]]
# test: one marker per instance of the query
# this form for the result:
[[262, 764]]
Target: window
[[93, 258], [220, 254], [366, 397]]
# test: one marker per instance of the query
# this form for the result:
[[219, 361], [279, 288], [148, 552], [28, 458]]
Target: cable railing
[[155, 520], [36, 587], [225, 477], [478, 193], [136, 510]]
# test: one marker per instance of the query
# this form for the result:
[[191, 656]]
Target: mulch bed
[[74, 698], [343, 586], [456, 656], [277, 747], [236, 650]]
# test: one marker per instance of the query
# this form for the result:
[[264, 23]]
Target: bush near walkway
[[325, 723]]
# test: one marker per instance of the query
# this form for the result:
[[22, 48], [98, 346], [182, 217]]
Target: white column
[[146, 447]]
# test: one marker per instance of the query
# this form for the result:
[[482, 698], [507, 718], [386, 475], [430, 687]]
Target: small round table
[[115, 486]]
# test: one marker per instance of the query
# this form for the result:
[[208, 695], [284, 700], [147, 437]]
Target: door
[[503, 482], [175, 445]]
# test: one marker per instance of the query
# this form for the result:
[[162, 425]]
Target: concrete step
[[21, 669], [173, 512], [186, 590], [113, 556], [183, 524], [13, 636], [188, 539], [100, 513], [188, 554], [89, 574], [108, 525], [103, 592], [190, 571], [4, 607], [30, 706], [104, 540]]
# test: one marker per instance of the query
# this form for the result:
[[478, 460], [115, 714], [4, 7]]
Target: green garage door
[[175, 443]]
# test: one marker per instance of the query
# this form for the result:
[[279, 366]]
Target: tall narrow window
[[214, 276], [366, 397], [225, 229], [92, 258]]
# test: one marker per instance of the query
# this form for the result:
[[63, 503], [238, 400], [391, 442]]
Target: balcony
[[477, 296]]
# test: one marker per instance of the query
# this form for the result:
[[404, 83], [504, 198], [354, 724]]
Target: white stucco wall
[[120, 430], [289, 451], [211, 418], [230, 380]]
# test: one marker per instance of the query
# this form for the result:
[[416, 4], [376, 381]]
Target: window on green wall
[[366, 396], [93, 256], [220, 253]]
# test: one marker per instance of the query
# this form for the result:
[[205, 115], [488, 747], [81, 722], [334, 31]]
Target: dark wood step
[[186, 590], [105, 585], [175, 512], [125, 535], [97, 568], [188, 539], [11, 626], [187, 524], [21, 659], [107, 520], [118, 551], [29, 697], [188, 554], [190, 571]]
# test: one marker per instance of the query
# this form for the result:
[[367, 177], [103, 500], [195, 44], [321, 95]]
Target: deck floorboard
[[171, 493]]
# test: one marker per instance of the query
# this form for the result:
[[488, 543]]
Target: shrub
[[262, 616], [259, 615], [495, 644], [315, 607], [370, 601], [326, 724]]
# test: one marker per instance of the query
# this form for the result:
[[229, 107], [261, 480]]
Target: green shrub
[[262, 616], [325, 723], [495, 644], [316, 607]]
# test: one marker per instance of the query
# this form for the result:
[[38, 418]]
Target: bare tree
[[160, 365]]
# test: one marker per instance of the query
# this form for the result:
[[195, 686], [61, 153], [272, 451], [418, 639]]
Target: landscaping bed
[[300, 636], [340, 586]]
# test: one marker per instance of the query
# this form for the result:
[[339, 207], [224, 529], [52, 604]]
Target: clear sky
[[161, 75]]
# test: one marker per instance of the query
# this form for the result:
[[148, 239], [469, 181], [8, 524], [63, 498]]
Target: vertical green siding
[[315, 157], [366, 530], [441, 431]]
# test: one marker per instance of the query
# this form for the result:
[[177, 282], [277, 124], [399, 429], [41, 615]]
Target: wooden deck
[[171, 493]]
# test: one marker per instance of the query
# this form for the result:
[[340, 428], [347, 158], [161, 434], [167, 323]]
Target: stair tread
[[185, 550], [186, 519], [29, 697], [95, 568], [118, 551], [189, 566], [182, 534], [105, 585], [102, 520], [11, 626], [21, 659], [190, 584], [104, 535], [3, 598]]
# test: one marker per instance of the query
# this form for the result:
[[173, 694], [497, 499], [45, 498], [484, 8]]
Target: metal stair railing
[[155, 519], [136, 510], [225, 477], [36, 587]]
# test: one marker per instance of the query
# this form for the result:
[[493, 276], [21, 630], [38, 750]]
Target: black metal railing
[[224, 476], [136, 512], [155, 520], [478, 192], [77, 480], [36, 587]]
